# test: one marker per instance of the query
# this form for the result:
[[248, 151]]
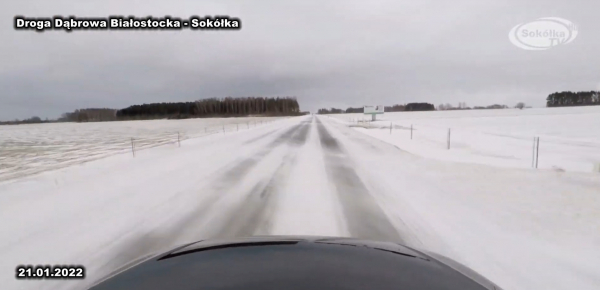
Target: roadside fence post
[[411, 129], [533, 154], [537, 152], [448, 138], [132, 148], [178, 139]]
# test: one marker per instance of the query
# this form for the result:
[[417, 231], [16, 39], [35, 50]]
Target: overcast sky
[[326, 53]]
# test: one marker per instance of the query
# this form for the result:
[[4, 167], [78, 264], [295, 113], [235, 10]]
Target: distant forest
[[226, 107], [463, 106], [564, 99], [419, 107], [214, 107], [394, 108], [32, 120], [89, 115]]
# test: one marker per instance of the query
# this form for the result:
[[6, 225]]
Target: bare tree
[[520, 105]]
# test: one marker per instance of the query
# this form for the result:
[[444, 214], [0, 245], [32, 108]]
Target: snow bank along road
[[524, 229], [33, 148]]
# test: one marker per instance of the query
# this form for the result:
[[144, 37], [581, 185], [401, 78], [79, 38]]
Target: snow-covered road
[[523, 229]]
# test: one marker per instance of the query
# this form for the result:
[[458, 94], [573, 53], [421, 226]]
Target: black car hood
[[293, 262]]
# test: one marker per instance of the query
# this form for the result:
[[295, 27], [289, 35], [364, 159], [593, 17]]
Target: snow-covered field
[[569, 137], [522, 228], [33, 148]]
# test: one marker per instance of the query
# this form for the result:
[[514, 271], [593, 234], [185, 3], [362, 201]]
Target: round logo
[[543, 33]]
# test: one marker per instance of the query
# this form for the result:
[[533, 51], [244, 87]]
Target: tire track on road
[[365, 218], [254, 214], [134, 247], [231, 177], [257, 207]]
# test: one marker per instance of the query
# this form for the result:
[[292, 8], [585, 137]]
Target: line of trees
[[89, 115], [463, 106], [355, 110], [419, 107], [213, 107], [179, 110], [494, 106], [330, 111], [394, 108], [569, 98], [32, 120], [249, 106]]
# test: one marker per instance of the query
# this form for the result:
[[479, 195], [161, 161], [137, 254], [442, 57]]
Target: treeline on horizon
[[558, 99], [568, 98], [213, 107], [418, 107], [394, 108], [205, 108], [265, 106], [227, 107], [32, 120]]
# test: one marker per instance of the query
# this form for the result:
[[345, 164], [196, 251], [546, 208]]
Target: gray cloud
[[327, 53]]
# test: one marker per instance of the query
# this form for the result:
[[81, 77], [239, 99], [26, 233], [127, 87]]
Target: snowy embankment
[[34, 148], [569, 137], [523, 228]]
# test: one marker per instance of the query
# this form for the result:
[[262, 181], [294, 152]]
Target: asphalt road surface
[[247, 196]]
